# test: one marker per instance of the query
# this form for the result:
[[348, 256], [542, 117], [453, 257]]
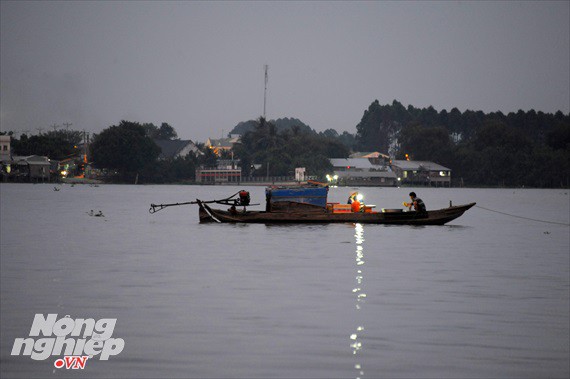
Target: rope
[[524, 218]]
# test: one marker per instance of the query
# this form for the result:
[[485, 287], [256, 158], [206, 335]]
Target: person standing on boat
[[417, 203]]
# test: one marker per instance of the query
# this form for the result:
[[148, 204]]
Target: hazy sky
[[199, 65]]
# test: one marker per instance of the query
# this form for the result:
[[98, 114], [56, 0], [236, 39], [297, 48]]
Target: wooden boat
[[291, 212], [308, 204]]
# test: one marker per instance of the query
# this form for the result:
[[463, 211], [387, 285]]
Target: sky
[[199, 66]]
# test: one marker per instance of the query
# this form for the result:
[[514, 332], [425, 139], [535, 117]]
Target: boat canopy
[[315, 195]]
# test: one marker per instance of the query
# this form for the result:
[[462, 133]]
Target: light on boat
[[359, 197]]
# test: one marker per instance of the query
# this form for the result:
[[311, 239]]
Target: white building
[[5, 148], [363, 172], [171, 149]]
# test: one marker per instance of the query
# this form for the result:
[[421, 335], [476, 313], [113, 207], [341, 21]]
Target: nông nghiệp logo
[[76, 339]]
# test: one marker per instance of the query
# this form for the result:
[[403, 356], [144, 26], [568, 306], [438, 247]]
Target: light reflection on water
[[356, 338]]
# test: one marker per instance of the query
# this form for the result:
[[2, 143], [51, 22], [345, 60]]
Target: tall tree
[[379, 126], [164, 132], [279, 153], [124, 147], [427, 144]]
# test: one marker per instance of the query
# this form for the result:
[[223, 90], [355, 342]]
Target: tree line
[[517, 149], [130, 151], [123, 151], [56, 144]]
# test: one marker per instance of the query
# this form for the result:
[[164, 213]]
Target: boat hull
[[321, 215]]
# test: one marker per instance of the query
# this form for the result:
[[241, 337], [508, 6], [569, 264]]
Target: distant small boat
[[308, 204]]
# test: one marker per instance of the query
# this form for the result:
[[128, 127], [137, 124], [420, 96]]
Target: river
[[485, 296]]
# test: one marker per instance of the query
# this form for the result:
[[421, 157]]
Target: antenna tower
[[266, 67]]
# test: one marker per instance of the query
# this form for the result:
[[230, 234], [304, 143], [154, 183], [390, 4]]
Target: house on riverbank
[[363, 172], [422, 173], [5, 151], [32, 168], [222, 144], [172, 149], [225, 171]]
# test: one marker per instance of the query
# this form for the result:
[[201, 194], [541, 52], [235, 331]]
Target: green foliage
[[209, 159], [283, 151], [164, 132], [559, 137], [348, 140], [518, 149], [500, 155], [178, 170], [124, 147], [379, 124], [56, 145], [426, 144], [504, 154], [281, 124]]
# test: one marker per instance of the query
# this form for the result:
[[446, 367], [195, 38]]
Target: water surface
[[484, 296]]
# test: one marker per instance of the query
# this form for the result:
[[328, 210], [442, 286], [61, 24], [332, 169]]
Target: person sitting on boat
[[352, 198], [355, 200], [417, 203]]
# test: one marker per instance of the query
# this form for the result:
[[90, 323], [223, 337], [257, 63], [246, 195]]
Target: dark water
[[485, 296]]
